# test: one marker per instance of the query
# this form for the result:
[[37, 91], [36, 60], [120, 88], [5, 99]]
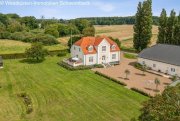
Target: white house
[[163, 58], [95, 50]]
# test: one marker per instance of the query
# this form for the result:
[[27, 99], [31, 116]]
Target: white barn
[[162, 58], [96, 50]]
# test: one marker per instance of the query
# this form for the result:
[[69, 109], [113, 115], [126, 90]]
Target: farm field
[[123, 32], [12, 46], [58, 94]]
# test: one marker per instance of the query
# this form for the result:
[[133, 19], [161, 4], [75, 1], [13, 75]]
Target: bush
[[62, 53], [81, 67], [110, 78], [140, 91], [5, 35]]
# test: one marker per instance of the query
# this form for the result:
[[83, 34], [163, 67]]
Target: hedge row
[[141, 92], [110, 78], [23, 55], [29, 37], [81, 67]]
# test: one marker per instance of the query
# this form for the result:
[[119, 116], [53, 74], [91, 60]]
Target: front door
[[103, 59]]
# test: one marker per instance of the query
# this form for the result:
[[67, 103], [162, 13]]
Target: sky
[[63, 9]]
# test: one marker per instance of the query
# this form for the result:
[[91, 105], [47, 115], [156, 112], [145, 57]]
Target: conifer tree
[[170, 28], [143, 25], [177, 31], [162, 27]]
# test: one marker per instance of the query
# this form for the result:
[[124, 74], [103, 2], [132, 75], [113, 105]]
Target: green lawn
[[12, 46], [61, 95]]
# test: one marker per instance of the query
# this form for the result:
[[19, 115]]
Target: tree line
[[169, 28], [130, 20], [30, 29]]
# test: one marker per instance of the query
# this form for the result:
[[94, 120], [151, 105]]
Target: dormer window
[[113, 47], [90, 48]]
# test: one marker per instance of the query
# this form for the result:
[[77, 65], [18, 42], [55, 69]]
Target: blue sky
[[93, 8]]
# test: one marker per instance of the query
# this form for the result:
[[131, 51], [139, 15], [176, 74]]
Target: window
[[77, 56], [113, 56], [74, 48], [154, 65], [173, 70], [90, 59], [113, 47], [79, 50], [103, 48], [90, 48]]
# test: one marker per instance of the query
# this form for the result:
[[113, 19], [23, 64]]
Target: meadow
[[12, 46], [61, 95]]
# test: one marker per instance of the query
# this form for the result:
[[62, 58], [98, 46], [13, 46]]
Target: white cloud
[[106, 7]]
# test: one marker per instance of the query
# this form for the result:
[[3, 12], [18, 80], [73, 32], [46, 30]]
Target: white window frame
[[103, 48], [113, 56], [91, 59]]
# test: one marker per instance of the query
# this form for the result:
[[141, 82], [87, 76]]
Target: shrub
[[5, 35], [62, 53], [81, 67], [140, 91], [110, 78]]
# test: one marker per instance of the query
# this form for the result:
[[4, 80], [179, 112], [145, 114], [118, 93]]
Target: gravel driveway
[[136, 77]]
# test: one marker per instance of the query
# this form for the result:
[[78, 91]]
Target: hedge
[[141, 92], [81, 67], [23, 55], [110, 78]]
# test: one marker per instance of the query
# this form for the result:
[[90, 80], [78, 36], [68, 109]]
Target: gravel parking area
[[135, 78]]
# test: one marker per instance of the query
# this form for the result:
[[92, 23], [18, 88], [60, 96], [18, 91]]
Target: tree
[[15, 26], [143, 25], [144, 68], [29, 21], [162, 27], [157, 82], [52, 30], [177, 31], [164, 107], [72, 40], [117, 41], [82, 24], [127, 72], [36, 53], [170, 27], [89, 31]]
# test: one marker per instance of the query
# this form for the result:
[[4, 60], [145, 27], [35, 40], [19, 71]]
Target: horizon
[[83, 9]]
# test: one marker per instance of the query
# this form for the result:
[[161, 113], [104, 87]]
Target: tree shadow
[[132, 63], [140, 74], [165, 83], [31, 61], [147, 88], [156, 90]]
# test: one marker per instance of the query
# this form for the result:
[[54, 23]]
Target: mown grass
[[130, 56], [61, 95], [12, 46]]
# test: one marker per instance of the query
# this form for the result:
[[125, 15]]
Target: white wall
[[164, 67], [103, 53], [75, 52], [86, 59], [117, 56]]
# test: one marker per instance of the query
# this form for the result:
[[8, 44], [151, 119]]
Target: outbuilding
[[162, 58]]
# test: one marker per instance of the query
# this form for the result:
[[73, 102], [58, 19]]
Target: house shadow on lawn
[[30, 61]]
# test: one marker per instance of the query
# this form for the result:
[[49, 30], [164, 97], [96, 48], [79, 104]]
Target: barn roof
[[163, 53]]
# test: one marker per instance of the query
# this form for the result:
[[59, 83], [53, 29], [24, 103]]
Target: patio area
[[136, 78], [73, 61]]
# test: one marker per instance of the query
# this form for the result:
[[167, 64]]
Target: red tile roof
[[85, 42]]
